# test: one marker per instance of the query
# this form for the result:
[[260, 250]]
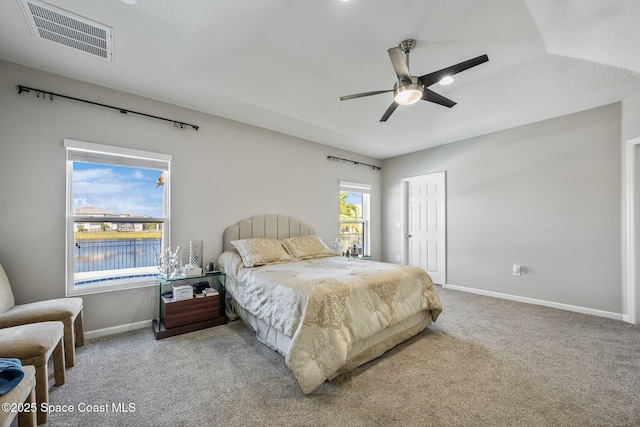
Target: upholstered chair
[[24, 397], [65, 310], [34, 344]]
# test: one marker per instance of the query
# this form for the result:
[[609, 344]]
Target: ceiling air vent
[[60, 26]]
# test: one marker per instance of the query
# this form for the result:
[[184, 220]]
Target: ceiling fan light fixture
[[410, 89], [446, 80], [408, 93]]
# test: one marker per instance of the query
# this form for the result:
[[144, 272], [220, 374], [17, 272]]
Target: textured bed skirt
[[361, 352]]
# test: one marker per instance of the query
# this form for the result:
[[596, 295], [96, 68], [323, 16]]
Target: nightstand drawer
[[179, 313]]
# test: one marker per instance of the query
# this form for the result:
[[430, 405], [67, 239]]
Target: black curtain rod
[[176, 123], [339, 159]]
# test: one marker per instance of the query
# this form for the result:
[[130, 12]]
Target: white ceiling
[[283, 64]]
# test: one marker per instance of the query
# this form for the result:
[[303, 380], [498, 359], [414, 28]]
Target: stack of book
[[209, 292]]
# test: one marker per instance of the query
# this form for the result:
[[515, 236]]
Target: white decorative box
[[192, 271], [182, 292]]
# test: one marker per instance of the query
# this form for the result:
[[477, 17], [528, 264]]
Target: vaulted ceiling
[[283, 64]]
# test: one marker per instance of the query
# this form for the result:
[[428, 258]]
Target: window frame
[[365, 190], [77, 151]]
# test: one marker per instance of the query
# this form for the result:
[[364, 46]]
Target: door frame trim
[[629, 231]]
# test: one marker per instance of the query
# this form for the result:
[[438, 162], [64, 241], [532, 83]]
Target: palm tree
[[349, 211]]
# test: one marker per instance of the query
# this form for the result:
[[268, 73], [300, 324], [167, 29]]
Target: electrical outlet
[[517, 270], [398, 258]]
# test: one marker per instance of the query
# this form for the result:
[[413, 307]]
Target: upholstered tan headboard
[[270, 226]]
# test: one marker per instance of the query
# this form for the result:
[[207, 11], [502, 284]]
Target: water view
[[115, 254]]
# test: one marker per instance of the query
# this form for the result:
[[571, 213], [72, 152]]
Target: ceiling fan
[[410, 89]]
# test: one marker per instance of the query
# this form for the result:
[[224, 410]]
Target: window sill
[[115, 280]]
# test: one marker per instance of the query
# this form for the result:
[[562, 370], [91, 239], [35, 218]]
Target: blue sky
[[354, 198], [117, 189]]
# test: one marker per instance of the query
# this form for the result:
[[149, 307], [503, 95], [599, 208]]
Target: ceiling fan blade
[[399, 64], [431, 96], [389, 111], [360, 95], [436, 76]]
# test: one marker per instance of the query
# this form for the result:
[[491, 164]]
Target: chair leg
[[58, 363], [79, 329], [28, 418], [42, 391], [69, 344]]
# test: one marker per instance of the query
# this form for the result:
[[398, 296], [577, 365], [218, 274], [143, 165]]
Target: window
[[117, 216], [354, 217]]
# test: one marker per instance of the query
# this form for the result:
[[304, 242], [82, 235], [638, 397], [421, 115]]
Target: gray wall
[[222, 173], [546, 196], [631, 118]]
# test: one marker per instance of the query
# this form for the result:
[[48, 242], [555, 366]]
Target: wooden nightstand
[[179, 317]]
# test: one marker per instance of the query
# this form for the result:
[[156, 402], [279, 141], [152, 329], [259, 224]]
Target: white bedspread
[[327, 304]]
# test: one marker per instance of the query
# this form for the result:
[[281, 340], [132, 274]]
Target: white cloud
[[129, 192]]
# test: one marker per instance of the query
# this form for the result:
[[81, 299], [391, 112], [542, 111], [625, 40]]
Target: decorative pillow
[[307, 247], [259, 251]]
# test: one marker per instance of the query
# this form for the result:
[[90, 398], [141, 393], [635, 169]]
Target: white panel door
[[426, 224]]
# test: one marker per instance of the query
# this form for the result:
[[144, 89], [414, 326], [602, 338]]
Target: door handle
[[408, 236]]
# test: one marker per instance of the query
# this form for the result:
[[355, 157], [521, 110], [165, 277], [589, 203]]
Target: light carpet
[[485, 362]]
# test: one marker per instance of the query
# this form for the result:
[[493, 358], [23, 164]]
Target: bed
[[325, 313]]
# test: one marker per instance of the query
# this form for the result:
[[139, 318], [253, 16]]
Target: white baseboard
[[609, 315], [574, 308], [117, 329]]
